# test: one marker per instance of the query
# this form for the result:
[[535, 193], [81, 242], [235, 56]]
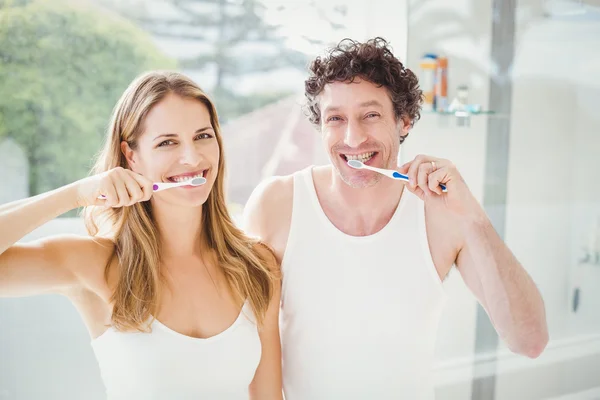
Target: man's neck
[[357, 211]]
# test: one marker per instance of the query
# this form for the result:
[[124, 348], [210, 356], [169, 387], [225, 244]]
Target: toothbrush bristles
[[355, 164]]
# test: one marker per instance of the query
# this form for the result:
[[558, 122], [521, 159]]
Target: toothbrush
[[158, 186], [387, 172]]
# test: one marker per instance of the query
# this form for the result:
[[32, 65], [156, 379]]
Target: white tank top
[[167, 365], [359, 315]]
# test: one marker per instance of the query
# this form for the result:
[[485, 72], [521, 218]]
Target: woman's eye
[[170, 142], [165, 143]]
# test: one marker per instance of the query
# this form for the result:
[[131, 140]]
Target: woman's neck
[[180, 230]]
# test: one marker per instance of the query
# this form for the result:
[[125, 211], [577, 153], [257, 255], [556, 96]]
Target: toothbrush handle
[[157, 187], [399, 176]]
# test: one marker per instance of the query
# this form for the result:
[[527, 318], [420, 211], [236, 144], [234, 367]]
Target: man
[[364, 256]]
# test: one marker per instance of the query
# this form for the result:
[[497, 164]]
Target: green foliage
[[233, 41], [63, 66]]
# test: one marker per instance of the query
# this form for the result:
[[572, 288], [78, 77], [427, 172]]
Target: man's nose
[[354, 135]]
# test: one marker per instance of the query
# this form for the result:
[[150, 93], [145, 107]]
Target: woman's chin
[[188, 200]]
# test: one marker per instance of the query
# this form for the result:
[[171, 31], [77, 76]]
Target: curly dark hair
[[372, 61]]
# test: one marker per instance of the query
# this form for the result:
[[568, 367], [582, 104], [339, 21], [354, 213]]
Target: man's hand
[[426, 173]]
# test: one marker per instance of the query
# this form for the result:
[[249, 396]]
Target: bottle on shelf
[[441, 85], [428, 68]]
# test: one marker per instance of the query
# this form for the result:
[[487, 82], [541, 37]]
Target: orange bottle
[[441, 84], [428, 66]]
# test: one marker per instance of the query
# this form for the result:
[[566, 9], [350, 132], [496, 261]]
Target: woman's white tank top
[[167, 365]]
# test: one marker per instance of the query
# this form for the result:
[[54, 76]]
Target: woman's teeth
[[360, 157], [186, 178]]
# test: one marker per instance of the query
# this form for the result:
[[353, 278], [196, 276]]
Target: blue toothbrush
[[387, 172]]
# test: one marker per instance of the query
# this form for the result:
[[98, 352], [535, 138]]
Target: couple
[[181, 304]]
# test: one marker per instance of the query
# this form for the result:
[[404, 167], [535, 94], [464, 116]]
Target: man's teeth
[[186, 178], [360, 157]]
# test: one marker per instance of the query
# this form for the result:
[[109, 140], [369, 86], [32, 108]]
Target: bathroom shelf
[[462, 113], [463, 118]]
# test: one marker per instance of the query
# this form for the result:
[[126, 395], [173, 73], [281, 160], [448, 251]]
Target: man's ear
[[129, 155], [404, 125]]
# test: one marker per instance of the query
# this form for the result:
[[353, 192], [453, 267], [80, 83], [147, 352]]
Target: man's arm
[[503, 287], [488, 267]]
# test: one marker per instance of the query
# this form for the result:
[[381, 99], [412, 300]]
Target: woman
[[179, 303]]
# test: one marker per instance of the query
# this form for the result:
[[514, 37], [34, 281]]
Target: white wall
[[553, 197], [45, 350], [554, 159], [552, 190]]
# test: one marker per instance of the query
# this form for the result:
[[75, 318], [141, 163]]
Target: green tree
[[233, 40], [63, 66]]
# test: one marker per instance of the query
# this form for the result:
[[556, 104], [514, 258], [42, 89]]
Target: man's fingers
[[404, 168], [423, 177], [435, 178]]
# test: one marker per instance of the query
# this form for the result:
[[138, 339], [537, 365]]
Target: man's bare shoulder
[[268, 210], [272, 194], [276, 188]]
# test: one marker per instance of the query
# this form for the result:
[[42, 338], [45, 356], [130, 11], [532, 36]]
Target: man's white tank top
[[359, 315], [167, 365]]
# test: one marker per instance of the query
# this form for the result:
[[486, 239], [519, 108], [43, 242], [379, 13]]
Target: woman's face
[[178, 142]]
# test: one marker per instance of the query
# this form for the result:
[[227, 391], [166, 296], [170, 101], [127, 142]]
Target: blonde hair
[[246, 265]]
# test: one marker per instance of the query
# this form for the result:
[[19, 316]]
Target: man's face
[[358, 122]]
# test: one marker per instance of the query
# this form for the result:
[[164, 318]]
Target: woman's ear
[[129, 155]]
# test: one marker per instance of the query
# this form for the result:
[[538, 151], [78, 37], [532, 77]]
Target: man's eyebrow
[[371, 103], [331, 108], [362, 105]]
